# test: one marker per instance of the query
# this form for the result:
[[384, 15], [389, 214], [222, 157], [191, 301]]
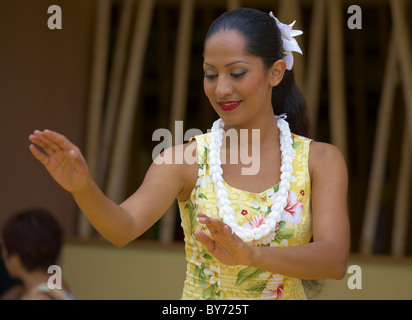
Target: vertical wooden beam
[[400, 224], [96, 96], [128, 110], [380, 150], [403, 45], [179, 97], [114, 88], [182, 63], [289, 10], [315, 60], [163, 63], [358, 135], [337, 99]]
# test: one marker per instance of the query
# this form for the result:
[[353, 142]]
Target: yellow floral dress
[[207, 277]]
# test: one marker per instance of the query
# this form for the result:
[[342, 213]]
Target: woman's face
[[236, 83]]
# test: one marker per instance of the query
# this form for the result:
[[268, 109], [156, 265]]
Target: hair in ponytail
[[287, 98], [264, 40]]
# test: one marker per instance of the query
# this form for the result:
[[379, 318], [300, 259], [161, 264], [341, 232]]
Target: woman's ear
[[276, 72]]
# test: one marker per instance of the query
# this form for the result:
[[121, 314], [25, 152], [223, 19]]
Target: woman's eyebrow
[[228, 65]]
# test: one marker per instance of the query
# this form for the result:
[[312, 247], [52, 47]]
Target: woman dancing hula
[[247, 236]]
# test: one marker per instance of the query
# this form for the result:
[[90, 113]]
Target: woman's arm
[[122, 223], [326, 256]]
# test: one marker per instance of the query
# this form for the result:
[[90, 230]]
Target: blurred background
[[117, 70]]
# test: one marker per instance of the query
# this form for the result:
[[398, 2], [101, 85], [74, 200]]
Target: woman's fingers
[[39, 155], [205, 240], [225, 246], [51, 141], [216, 227], [207, 221], [35, 139], [42, 141], [62, 159], [59, 140]]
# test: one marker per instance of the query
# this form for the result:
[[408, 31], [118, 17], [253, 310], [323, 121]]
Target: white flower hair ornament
[[289, 43]]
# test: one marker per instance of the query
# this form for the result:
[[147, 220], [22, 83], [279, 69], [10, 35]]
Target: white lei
[[267, 229]]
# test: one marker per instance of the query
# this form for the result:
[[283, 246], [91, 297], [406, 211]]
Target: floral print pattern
[[293, 209], [206, 277]]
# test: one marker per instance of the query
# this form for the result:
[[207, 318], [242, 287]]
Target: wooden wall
[[44, 83]]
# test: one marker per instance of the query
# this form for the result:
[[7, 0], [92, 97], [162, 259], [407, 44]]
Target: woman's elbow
[[339, 269], [119, 244], [339, 273], [121, 241]]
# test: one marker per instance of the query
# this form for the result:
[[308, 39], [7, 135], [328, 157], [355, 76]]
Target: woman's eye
[[238, 74], [233, 74], [210, 76]]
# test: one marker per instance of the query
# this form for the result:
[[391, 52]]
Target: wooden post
[[379, 156], [182, 62], [163, 63], [315, 60], [114, 88], [403, 46], [119, 164], [400, 223], [98, 79], [179, 97], [289, 10], [358, 134], [337, 76]]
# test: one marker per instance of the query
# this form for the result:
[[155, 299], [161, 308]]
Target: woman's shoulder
[[184, 153], [325, 157], [322, 149], [184, 160]]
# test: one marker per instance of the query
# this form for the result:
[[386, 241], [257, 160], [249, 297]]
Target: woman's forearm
[[315, 260], [109, 219]]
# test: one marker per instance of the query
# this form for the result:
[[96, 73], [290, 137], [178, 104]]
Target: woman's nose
[[223, 87]]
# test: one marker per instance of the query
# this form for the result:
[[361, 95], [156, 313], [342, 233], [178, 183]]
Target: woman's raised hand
[[222, 244], [62, 159]]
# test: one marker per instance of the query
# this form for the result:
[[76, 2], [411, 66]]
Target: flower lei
[[226, 212], [289, 43]]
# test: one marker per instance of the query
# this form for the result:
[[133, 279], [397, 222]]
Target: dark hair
[[35, 236], [264, 40]]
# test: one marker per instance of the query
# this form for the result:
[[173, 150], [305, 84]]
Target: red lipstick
[[229, 105]]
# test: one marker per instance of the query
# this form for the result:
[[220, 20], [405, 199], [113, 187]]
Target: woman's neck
[[264, 125], [32, 279]]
